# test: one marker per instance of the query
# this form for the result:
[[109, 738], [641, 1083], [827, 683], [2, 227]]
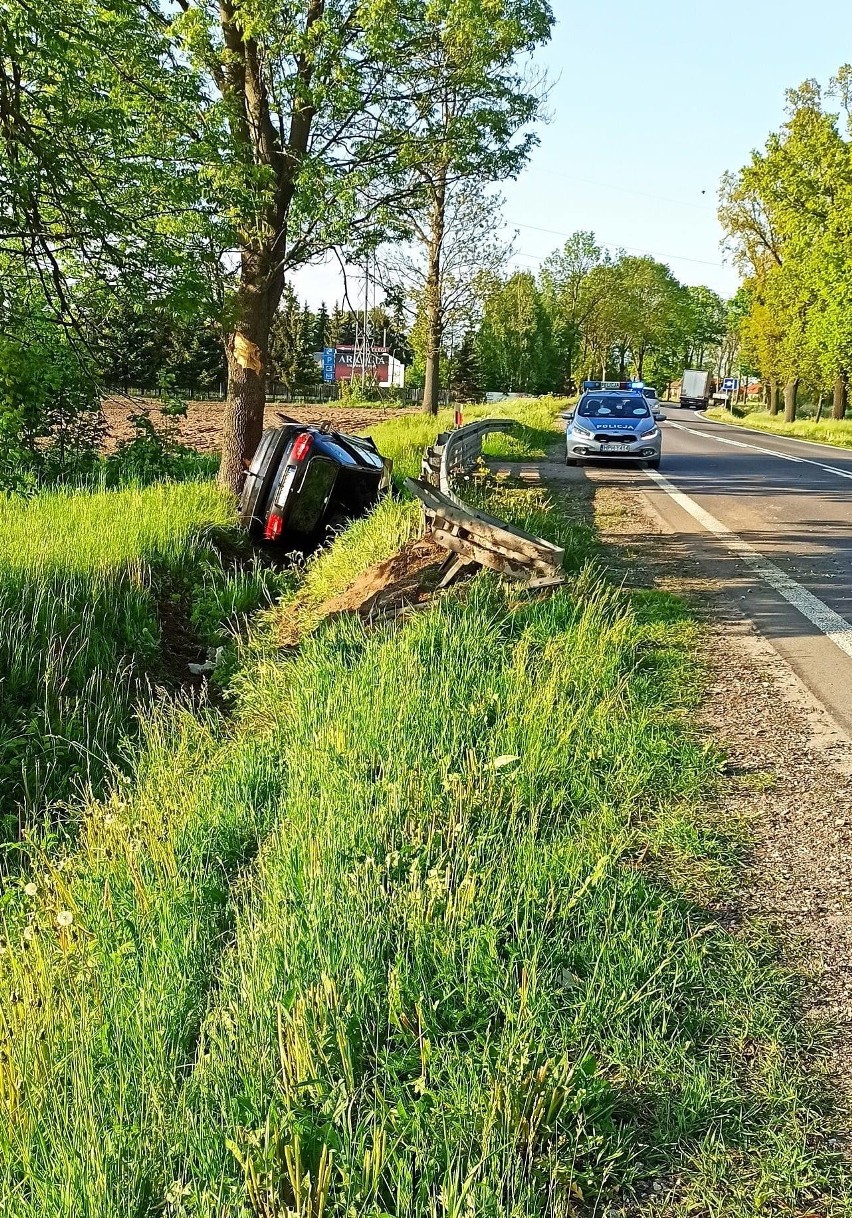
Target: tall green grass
[[409, 934], [80, 575], [80, 637], [826, 431]]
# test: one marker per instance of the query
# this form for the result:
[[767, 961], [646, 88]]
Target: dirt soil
[[387, 589], [202, 427]]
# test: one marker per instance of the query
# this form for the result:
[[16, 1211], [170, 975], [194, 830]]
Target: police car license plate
[[615, 448]]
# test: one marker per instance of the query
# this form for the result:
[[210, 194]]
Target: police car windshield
[[612, 406]]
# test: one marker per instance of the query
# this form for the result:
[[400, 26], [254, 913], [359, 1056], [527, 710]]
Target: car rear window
[[614, 407], [310, 503]]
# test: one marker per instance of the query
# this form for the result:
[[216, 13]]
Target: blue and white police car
[[613, 420]]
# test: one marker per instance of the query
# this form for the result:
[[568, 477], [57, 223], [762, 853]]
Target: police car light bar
[[591, 386]]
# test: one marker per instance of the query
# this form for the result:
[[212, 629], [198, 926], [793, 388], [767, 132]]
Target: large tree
[[515, 342], [788, 219], [232, 144], [472, 255], [101, 136], [569, 294], [474, 103]]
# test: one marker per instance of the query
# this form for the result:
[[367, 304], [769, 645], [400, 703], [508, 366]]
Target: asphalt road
[[769, 519]]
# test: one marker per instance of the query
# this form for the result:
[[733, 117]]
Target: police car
[[613, 420]]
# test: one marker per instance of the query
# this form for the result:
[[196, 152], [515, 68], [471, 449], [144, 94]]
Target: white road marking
[[769, 452], [831, 624]]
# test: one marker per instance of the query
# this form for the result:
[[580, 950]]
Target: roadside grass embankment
[[419, 930], [826, 431], [83, 577], [89, 576]]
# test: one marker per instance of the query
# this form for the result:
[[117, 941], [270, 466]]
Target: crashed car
[[304, 482]]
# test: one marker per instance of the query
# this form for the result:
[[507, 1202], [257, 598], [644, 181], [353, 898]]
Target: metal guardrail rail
[[472, 537]]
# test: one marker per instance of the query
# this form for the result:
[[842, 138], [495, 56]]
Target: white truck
[[696, 389]]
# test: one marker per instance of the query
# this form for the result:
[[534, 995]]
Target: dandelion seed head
[[64, 918], [31, 889]]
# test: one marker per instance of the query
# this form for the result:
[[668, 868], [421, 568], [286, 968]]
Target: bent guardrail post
[[462, 448], [472, 537]]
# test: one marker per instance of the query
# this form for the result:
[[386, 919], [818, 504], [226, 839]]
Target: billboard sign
[[349, 362]]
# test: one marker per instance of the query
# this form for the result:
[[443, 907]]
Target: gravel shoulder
[[788, 774]]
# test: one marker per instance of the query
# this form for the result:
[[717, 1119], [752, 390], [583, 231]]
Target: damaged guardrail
[[474, 538]]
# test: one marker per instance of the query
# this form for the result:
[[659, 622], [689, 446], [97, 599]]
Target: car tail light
[[303, 445], [274, 527]]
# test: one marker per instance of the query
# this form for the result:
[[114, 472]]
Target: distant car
[[304, 482], [619, 424], [651, 394]]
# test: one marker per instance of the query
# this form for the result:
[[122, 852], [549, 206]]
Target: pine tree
[[465, 372], [285, 340], [336, 322], [308, 371], [322, 328]]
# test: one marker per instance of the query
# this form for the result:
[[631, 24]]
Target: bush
[[50, 418], [155, 453]]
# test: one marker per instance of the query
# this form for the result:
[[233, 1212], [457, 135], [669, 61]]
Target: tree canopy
[[787, 215], [590, 313]]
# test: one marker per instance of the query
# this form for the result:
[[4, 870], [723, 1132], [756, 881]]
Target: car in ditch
[[305, 482], [613, 421]]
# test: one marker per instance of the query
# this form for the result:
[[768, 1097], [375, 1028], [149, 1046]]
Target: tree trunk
[[841, 396], [773, 397], [791, 393], [246, 350], [433, 302], [641, 364]]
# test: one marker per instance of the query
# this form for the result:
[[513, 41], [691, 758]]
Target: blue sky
[[649, 105]]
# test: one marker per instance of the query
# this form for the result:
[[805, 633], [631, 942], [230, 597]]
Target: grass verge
[[826, 431], [86, 579], [402, 938]]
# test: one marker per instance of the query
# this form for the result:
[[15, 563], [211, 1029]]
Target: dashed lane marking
[[769, 452]]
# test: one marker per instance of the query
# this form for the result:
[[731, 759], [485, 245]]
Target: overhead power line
[[627, 190], [615, 245]]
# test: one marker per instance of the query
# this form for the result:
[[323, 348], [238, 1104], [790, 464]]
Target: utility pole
[[366, 321]]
